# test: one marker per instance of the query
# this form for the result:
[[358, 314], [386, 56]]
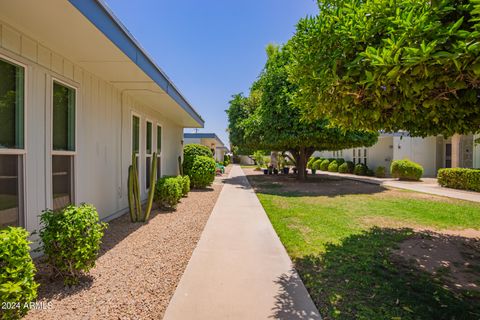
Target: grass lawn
[[352, 245]]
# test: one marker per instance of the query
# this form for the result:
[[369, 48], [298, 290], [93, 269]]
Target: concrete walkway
[[240, 269], [427, 185]]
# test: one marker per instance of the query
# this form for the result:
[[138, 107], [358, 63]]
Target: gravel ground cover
[[138, 268]]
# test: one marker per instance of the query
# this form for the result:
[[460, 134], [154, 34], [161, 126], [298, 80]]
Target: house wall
[[420, 150], [476, 152], [103, 131]]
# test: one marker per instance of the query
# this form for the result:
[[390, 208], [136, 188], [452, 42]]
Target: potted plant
[[265, 171], [275, 171], [294, 170], [285, 170], [314, 171], [270, 169]]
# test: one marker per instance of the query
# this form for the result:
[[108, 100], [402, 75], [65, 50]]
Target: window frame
[[22, 203], [138, 155], [148, 156], [69, 153], [159, 154]]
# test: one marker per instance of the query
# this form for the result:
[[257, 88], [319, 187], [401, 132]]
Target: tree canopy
[[390, 65], [268, 119]]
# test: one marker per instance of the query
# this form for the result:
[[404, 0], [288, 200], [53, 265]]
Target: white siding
[[103, 131]]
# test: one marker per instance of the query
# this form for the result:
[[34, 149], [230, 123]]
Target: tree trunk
[[302, 164]]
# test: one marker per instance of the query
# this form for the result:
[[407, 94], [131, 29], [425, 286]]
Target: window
[[12, 95], [148, 154], [353, 158], [159, 151], [135, 134], [365, 156], [63, 143]]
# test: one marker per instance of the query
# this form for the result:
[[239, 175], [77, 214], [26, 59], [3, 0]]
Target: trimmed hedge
[[202, 172], [343, 168], [406, 170], [340, 161], [71, 240], [333, 166], [185, 180], [459, 178], [168, 191], [311, 161], [17, 283], [380, 172], [360, 169], [324, 165], [190, 152], [316, 164]]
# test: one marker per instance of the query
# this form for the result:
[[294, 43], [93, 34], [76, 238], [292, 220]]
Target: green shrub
[[168, 191], [185, 181], [190, 151], [311, 162], [380, 172], [324, 165], [459, 178], [360, 169], [340, 161], [226, 160], [17, 271], [406, 170], [350, 165], [203, 172], [316, 164], [333, 166], [369, 172], [343, 168], [71, 240]]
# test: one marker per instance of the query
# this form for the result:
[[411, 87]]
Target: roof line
[[102, 17], [207, 135]]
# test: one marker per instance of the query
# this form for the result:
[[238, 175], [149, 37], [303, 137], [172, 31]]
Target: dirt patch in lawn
[[387, 222], [315, 185], [455, 258], [139, 266]]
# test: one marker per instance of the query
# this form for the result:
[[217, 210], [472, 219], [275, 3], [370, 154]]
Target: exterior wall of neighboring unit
[[420, 150], [103, 131], [218, 149]]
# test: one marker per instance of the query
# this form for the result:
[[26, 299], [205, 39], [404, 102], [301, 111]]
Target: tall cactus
[[135, 206], [151, 192], [131, 196]]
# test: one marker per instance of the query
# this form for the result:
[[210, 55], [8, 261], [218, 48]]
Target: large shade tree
[[394, 65], [269, 120]]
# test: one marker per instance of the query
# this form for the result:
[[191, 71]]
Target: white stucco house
[[210, 140], [78, 96], [432, 153]]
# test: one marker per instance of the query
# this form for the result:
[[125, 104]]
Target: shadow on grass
[[365, 278], [316, 185]]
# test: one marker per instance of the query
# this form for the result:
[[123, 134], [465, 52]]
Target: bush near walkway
[[202, 172], [190, 152], [17, 272], [169, 191], [406, 170], [71, 240], [459, 178]]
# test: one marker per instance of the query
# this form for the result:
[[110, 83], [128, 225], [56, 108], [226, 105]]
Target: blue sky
[[211, 49]]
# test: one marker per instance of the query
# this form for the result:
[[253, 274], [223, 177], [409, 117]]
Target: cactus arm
[[136, 189], [131, 197], [151, 192]]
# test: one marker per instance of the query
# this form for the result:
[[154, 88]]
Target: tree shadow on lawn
[[316, 185], [291, 302], [370, 276]]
